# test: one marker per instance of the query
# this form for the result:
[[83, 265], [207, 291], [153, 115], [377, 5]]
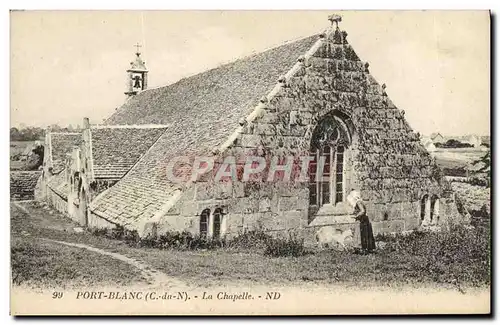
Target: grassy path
[[155, 277], [44, 232]]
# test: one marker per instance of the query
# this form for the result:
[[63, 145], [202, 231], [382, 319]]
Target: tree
[[486, 162], [36, 160], [14, 134]]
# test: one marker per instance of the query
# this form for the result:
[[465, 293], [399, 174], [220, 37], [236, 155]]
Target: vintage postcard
[[250, 162]]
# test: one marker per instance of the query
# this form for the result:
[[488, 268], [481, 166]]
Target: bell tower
[[137, 75]]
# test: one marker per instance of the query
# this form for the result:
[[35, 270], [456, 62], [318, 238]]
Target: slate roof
[[23, 183], [59, 185], [204, 111], [61, 143], [116, 150]]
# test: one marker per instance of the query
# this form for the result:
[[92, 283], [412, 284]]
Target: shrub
[[117, 233], [149, 242], [202, 242], [457, 171], [249, 239], [131, 238], [482, 217], [478, 181], [99, 231], [291, 246], [461, 255]]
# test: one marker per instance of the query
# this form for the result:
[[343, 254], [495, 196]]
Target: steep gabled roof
[[61, 143], [116, 149], [59, 185], [203, 111], [22, 184]]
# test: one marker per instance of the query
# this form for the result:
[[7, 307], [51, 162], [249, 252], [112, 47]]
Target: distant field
[[456, 158], [18, 147]]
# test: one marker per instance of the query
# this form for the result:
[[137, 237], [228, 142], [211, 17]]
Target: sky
[[66, 65]]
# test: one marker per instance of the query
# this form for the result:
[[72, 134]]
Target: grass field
[[18, 147], [459, 259], [38, 263], [456, 158]]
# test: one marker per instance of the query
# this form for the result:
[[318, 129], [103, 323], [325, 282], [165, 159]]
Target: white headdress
[[354, 197]]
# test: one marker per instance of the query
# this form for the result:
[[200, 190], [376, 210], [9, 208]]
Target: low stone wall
[[56, 201], [98, 222]]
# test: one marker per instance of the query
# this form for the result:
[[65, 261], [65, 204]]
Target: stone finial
[[335, 19], [242, 121], [86, 123], [263, 99], [282, 79]]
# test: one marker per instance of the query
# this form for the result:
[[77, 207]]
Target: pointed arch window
[[434, 210], [217, 223], [326, 171], [204, 222]]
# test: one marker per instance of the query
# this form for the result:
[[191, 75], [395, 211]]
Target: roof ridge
[[253, 53], [66, 133], [129, 126], [100, 195], [261, 106], [160, 213]]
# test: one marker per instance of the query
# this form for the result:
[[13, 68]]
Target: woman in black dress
[[365, 227]]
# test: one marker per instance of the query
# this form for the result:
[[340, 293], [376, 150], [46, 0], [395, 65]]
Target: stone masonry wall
[[57, 201], [385, 160]]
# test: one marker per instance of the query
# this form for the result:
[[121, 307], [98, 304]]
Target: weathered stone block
[[250, 221], [288, 203], [238, 189], [265, 204], [412, 223], [393, 226], [245, 205], [269, 117], [250, 141], [234, 222], [264, 129], [293, 219]]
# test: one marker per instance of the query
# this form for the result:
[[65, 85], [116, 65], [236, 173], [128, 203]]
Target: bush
[[255, 240], [174, 240], [202, 242], [99, 231], [249, 239], [457, 171], [131, 238], [117, 233], [478, 181], [292, 246], [458, 256]]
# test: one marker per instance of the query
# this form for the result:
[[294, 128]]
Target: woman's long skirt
[[367, 239]]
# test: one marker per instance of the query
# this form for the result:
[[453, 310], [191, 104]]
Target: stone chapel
[[310, 97]]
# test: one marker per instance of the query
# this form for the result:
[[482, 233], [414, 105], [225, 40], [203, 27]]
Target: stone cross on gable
[[137, 46]]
